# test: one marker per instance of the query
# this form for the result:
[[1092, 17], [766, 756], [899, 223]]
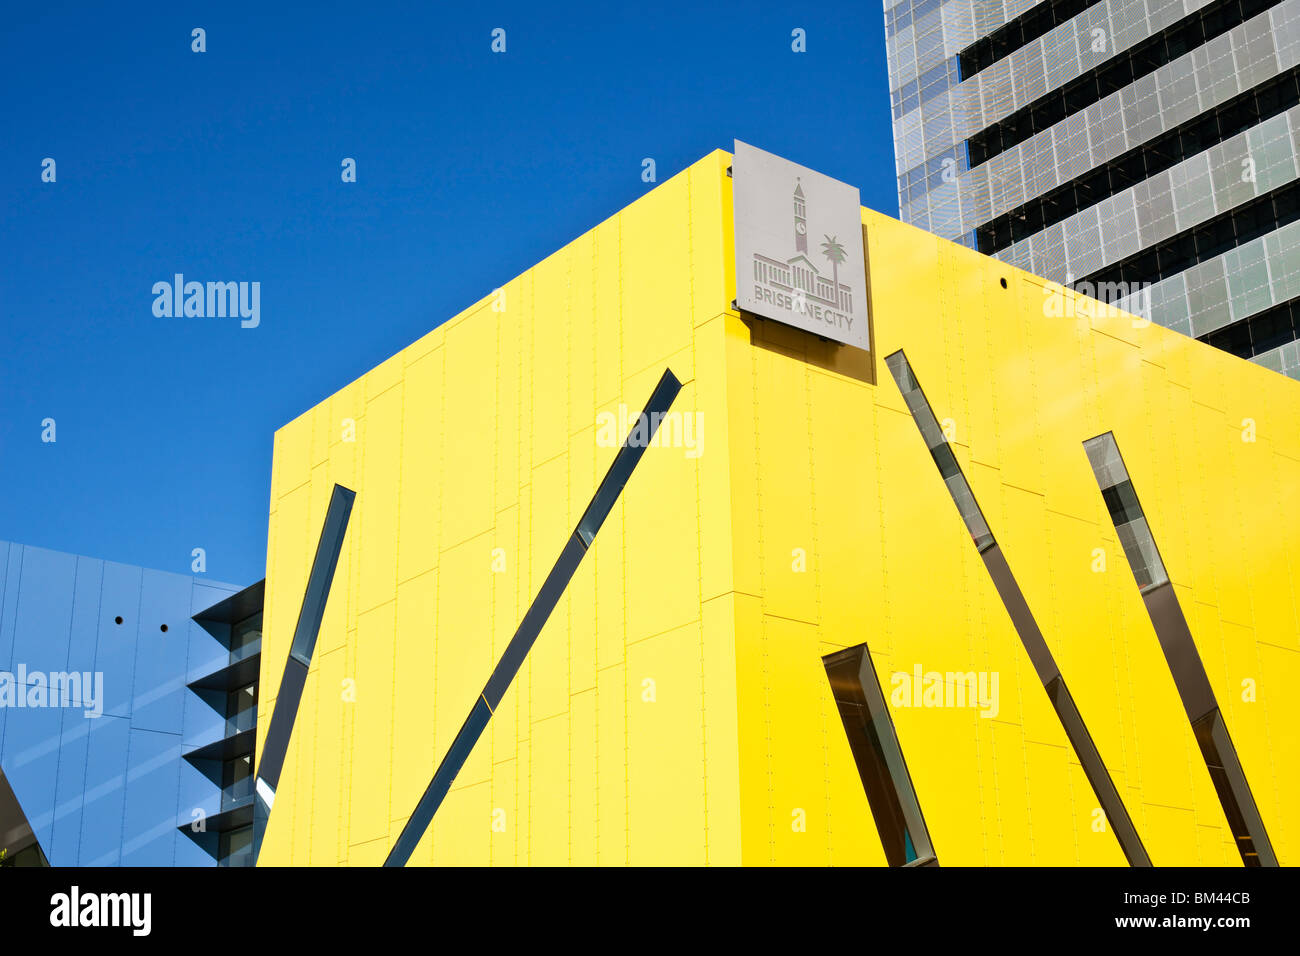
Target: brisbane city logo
[[796, 284]]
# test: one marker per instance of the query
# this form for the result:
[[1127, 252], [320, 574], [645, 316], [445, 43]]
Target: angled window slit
[[1180, 652], [940, 451], [879, 758], [288, 697], [602, 502], [1013, 599]]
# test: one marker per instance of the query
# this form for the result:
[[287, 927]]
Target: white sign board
[[799, 247]]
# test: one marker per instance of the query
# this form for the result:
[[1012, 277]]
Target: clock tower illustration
[[799, 277], [800, 220]]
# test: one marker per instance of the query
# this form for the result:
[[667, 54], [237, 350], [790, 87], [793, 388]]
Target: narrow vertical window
[[1180, 651], [879, 757]]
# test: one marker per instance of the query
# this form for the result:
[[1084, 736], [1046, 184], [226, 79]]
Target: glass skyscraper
[[1142, 151]]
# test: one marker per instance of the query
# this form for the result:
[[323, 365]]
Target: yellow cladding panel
[[373, 713], [423, 451], [675, 709], [473, 454], [666, 789]]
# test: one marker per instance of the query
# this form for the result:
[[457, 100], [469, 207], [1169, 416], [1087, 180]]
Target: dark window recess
[[1269, 99], [246, 637], [1121, 502], [1014, 34], [236, 780], [29, 855], [1234, 793], [1180, 653], [879, 758], [1259, 333], [241, 699], [1125, 512], [18, 843], [235, 847], [1203, 242], [1119, 71]]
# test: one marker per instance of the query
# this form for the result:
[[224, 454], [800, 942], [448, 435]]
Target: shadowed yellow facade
[[675, 709]]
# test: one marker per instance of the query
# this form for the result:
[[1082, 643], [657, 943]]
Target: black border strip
[[602, 502]]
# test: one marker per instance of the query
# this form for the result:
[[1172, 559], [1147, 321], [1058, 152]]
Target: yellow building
[[676, 708]]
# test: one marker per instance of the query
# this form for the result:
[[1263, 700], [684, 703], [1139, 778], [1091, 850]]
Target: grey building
[[1144, 147]]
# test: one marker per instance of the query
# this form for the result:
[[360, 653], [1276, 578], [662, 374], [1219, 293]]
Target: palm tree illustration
[[834, 251]]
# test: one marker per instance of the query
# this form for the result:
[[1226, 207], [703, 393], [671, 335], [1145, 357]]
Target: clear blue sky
[[471, 167]]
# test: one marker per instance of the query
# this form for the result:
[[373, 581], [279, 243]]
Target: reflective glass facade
[[94, 711], [1133, 141]]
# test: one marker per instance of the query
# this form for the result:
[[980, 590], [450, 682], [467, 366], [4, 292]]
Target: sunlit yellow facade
[[675, 709]]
